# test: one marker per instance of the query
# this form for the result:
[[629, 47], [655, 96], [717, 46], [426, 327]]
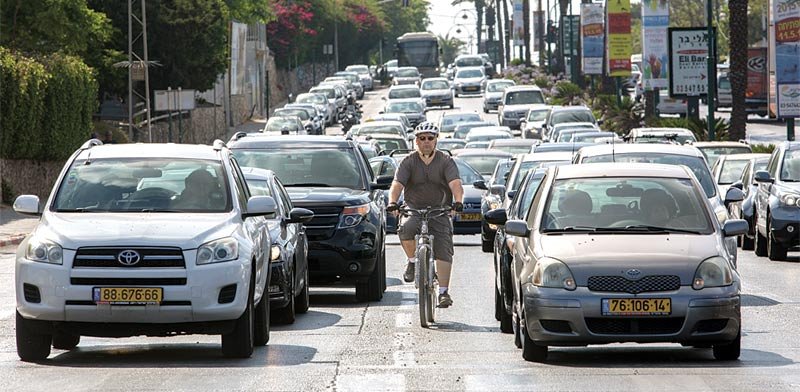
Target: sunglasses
[[426, 138]]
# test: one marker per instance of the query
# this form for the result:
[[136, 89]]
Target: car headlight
[[552, 273], [274, 253], [218, 251], [494, 203], [790, 199], [712, 272], [44, 251], [353, 215]]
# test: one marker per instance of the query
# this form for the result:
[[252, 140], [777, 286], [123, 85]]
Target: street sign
[[570, 23], [786, 41], [172, 100], [592, 36], [688, 61]]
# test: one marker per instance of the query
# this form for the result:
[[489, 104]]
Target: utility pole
[[712, 69], [137, 69]]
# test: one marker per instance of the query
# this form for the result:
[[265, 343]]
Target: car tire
[[498, 303], [302, 301], [239, 342], [760, 241], [487, 246], [65, 341], [748, 243], [729, 351], [383, 269], [31, 344], [261, 328], [371, 289], [531, 352], [515, 326], [775, 251], [286, 314], [451, 106], [485, 110]]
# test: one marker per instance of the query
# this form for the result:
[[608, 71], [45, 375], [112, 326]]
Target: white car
[[437, 92], [469, 80], [145, 239], [363, 74]]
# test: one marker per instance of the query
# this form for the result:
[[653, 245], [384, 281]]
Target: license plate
[[470, 88], [127, 295], [637, 306], [469, 217], [436, 101]]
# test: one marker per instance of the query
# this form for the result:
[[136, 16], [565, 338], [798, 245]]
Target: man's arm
[[395, 191], [457, 190]]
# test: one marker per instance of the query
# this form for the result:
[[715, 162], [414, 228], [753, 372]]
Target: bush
[[567, 93], [516, 62], [700, 129], [763, 148]]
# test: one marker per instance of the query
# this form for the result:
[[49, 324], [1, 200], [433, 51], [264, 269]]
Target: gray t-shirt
[[427, 185]]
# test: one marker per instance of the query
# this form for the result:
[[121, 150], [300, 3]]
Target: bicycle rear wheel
[[422, 286], [432, 289]]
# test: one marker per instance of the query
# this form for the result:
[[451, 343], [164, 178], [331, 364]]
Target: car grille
[[324, 223], [128, 281], [619, 284], [513, 114], [97, 257], [634, 326]]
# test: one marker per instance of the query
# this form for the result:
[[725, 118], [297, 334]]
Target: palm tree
[[501, 36], [451, 47], [738, 70]]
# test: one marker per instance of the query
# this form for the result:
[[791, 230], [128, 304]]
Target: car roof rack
[[219, 144], [91, 143], [238, 135]]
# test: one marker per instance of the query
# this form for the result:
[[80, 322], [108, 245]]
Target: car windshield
[[302, 114], [408, 73], [713, 153], [591, 136], [571, 116], [367, 129], [537, 115], [487, 137], [483, 164], [696, 164], [329, 92], [514, 149], [498, 87], [731, 171], [452, 120], [790, 169], [404, 107], [467, 173], [524, 97], [665, 138], [143, 185], [501, 171], [450, 144], [391, 144], [404, 93], [461, 130], [523, 170], [567, 135], [435, 85], [469, 73], [362, 69], [319, 167], [311, 98], [630, 204], [469, 62], [281, 124]]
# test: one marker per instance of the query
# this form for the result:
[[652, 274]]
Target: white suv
[[145, 239]]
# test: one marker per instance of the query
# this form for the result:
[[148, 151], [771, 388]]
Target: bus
[[419, 50]]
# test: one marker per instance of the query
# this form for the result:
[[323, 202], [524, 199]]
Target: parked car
[[288, 251], [746, 209], [468, 80], [637, 283], [113, 239], [437, 92], [494, 92], [516, 102], [777, 218], [331, 177], [713, 150]]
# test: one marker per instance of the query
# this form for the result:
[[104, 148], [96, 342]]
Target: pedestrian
[[108, 138]]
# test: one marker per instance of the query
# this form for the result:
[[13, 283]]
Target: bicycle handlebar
[[429, 212]]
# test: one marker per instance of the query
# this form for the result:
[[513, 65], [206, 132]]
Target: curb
[[12, 240]]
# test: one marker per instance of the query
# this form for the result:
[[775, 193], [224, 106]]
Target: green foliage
[[619, 117], [700, 129], [543, 82], [667, 122], [566, 93], [250, 11], [763, 148], [47, 105], [451, 47], [517, 61]]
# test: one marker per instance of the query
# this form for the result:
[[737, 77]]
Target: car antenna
[[613, 142]]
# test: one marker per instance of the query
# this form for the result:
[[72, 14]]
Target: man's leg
[[409, 247], [406, 230], [443, 272]]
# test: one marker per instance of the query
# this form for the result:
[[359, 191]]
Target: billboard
[[655, 21], [592, 36], [688, 61], [518, 24], [786, 19], [618, 31]]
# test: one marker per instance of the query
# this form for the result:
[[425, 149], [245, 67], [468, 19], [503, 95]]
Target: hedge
[[46, 105]]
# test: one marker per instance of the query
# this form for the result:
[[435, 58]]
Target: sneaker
[[408, 276], [444, 300]]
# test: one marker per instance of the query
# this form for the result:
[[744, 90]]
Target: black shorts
[[441, 228]]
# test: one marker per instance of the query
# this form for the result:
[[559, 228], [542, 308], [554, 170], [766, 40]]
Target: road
[[343, 345]]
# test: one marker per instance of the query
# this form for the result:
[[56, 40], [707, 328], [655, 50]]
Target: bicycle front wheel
[[422, 286], [432, 288]]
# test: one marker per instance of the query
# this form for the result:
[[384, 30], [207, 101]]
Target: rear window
[[524, 97], [317, 167], [572, 116]]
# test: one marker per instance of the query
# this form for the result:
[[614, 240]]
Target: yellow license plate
[[436, 101], [127, 295], [469, 217], [637, 306]]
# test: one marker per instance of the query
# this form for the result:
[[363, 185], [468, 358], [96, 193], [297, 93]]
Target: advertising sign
[[173, 100], [592, 36], [618, 30], [786, 18], [655, 21], [518, 24], [688, 61], [570, 28]]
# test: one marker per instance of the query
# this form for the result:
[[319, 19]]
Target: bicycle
[[425, 281]]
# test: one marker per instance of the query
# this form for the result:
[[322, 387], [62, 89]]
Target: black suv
[[777, 212], [331, 177]]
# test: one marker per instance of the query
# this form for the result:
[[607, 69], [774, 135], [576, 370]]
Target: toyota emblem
[[128, 257], [633, 273]]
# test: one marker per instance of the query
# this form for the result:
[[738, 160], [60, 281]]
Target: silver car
[[493, 92], [603, 258]]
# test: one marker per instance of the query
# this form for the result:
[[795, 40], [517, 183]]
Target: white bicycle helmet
[[427, 127]]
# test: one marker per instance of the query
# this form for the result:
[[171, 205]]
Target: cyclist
[[428, 178]]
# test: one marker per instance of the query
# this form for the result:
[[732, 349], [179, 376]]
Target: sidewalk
[[13, 226]]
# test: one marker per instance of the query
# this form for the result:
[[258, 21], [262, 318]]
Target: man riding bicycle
[[430, 179]]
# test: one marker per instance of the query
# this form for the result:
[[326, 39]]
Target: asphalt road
[[343, 345]]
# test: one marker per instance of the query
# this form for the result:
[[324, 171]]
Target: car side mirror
[[498, 189], [763, 176], [517, 228], [511, 194], [299, 215], [28, 205], [733, 195], [382, 182], [496, 216], [383, 98], [259, 206], [380, 112], [480, 184], [734, 227], [738, 185]]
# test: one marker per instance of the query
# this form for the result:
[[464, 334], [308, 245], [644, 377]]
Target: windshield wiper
[[571, 229], [307, 184], [652, 228], [79, 209], [158, 210]]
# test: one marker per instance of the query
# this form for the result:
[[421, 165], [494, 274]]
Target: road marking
[[371, 382], [504, 382]]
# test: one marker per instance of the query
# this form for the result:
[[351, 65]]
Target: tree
[[738, 67], [451, 47]]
